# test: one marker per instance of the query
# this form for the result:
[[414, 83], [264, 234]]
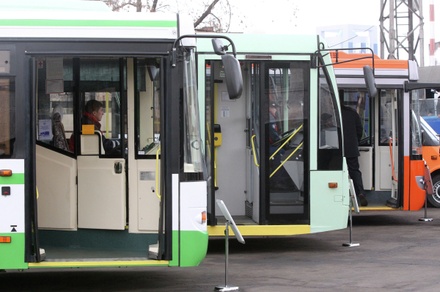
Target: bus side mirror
[[218, 47], [370, 81], [234, 80]]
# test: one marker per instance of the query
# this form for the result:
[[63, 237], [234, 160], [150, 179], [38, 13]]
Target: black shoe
[[362, 200]]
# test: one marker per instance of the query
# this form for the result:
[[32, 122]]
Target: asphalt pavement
[[396, 252]]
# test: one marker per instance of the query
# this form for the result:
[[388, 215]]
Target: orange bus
[[392, 155]]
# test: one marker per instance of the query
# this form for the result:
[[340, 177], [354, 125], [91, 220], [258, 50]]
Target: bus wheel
[[434, 200]]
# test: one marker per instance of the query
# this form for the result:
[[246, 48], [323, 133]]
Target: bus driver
[[94, 110]]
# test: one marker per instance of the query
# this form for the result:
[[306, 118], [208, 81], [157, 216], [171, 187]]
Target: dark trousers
[[355, 174]]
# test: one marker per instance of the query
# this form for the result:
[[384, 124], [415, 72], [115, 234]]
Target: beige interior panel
[[101, 193], [56, 183], [383, 176], [366, 166], [147, 196]]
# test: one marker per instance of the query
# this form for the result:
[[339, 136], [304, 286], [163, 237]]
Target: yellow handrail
[[285, 142], [284, 161], [253, 150], [282, 145], [278, 149], [158, 174]]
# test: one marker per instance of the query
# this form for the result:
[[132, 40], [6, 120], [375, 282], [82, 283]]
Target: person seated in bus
[[59, 136], [94, 110]]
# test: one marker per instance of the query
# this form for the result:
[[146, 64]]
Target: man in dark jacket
[[352, 135]]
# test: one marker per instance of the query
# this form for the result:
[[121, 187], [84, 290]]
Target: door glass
[[360, 102], [100, 86], [416, 130], [148, 80], [329, 137], [193, 148], [388, 117], [256, 110], [54, 102], [286, 91], [7, 109]]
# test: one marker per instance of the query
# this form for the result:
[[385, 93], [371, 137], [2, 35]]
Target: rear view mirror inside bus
[[370, 81]]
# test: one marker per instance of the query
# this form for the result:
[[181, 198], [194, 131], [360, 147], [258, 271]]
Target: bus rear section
[[66, 200], [273, 160], [391, 159]]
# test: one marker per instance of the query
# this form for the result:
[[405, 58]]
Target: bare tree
[[204, 12]]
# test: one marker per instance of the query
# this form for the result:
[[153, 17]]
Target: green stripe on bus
[[15, 179], [87, 23], [12, 254], [193, 249]]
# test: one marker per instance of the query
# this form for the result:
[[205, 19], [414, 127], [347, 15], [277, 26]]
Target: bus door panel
[[384, 173], [148, 197], [101, 192], [230, 158], [55, 163], [366, 166], [251, 82], [284, 182], [56, 183], [327, 198], [387, 157], [144, 153]]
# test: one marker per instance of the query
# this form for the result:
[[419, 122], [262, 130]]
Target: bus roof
[[378, 62], [88, 25], [77, 19], [259, 45]]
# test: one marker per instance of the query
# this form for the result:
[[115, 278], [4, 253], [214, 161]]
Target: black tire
[[434, 200]]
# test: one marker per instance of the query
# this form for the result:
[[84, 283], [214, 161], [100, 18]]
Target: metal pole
[[226, 287], [426, 218], [350, 218], [226, 252]]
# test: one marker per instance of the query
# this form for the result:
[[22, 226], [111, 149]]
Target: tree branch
[[206, 13]]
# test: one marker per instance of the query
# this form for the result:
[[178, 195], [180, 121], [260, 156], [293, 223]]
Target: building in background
[[351, 36]]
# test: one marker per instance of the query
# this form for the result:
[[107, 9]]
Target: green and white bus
[[298, 182], [74, 205]]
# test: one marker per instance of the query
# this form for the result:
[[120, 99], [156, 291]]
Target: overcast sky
[[276, 16]]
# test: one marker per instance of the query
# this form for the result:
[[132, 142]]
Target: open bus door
[[75, 190], [390, 151]]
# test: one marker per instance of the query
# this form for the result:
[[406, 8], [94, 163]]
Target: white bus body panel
[[12, 206]]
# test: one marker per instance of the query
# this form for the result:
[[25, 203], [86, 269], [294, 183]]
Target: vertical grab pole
[[226, 252]]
